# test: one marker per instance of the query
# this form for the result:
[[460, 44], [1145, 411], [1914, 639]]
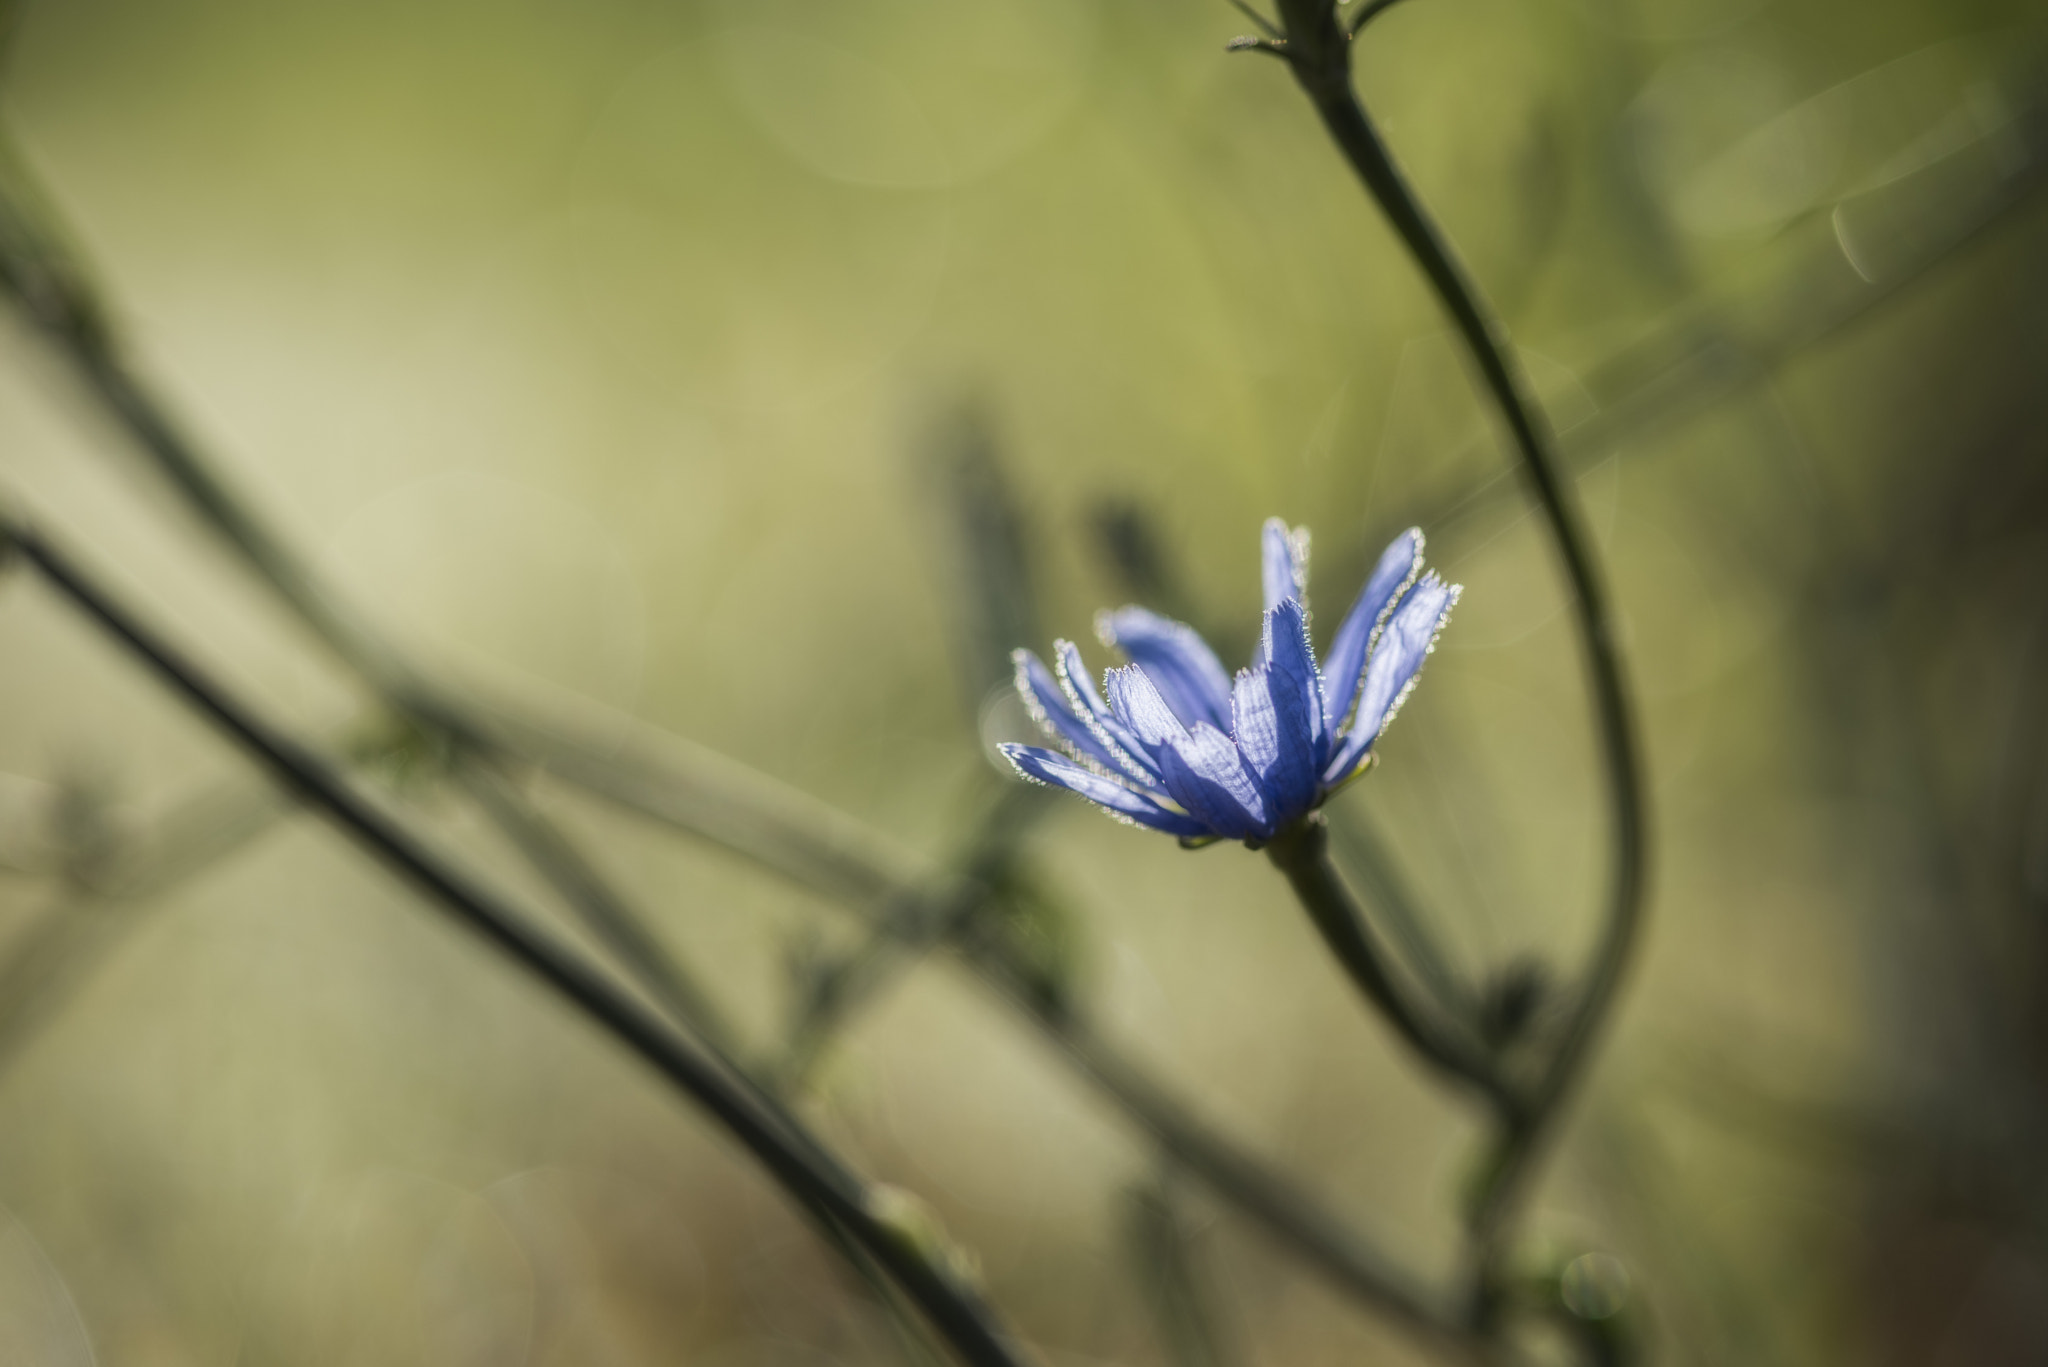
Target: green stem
[[958, 1313], [1318, 51], [576, 880], [1302, 853], [1301, 1219]]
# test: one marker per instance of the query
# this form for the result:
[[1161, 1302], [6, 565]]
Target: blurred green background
[[665, 360]]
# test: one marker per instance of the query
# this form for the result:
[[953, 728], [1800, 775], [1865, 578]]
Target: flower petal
[[1283, 562], [1130, 755], [1398, 566], [1255, 727], [1297, 690], [1206, 775], [1277, 717], [1178, 660], [1054, 714], [1043, 766], [1138, 704], [1283, 570], [1409, 636]]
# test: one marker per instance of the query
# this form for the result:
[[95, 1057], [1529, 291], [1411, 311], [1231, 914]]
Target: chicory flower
[[1181, 747]]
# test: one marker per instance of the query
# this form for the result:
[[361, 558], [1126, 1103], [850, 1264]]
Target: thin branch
[[954, 1310], [1251, 42], [1183, 1299], [1297, 1219], [624, 932], [1301, 1221], [909, 925], [1322, 66], [1364, 851], [54, 957], [1733, 338], [689, 788], [638, 779], [541, 843], [1302, 854], [52, 289]]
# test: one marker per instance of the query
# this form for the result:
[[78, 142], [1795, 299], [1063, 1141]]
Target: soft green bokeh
[[598, 349]]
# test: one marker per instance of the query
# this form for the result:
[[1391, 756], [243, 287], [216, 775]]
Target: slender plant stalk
[[1364, 853], [907, 927], [1302, 1220], [1317, 49], [555, 857], [955, 1310], [625, 933], [687, 788], [845, 871], [1163, 1252], [1302, 854], [1296, 1218]]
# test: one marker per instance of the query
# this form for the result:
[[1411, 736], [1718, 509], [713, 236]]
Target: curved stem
[[1371, 869], [1302, 853], [1301, 1219], [1319, 54], [576, 880], [812, 1177]]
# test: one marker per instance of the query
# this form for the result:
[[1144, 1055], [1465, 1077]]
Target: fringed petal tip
[[1283, 562], [1023, 664], [1051, 707], [1127, 756], [1452, 592], [1179, 662], [1390, 676], [1392, 576]]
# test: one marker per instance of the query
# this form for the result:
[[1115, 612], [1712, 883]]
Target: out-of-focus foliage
[[757, 370]]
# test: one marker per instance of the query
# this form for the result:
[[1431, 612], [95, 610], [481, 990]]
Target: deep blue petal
[[1277, 718], [1297, 693], [1177, 659], [1043, 766], [1398, 567], [1405, 642], [1055, 715], [1206, 775], [1131, 757]]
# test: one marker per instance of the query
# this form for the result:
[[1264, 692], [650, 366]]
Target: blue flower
[[1181, 747]]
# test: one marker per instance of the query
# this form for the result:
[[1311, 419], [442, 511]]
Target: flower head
[[1182, 747]]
